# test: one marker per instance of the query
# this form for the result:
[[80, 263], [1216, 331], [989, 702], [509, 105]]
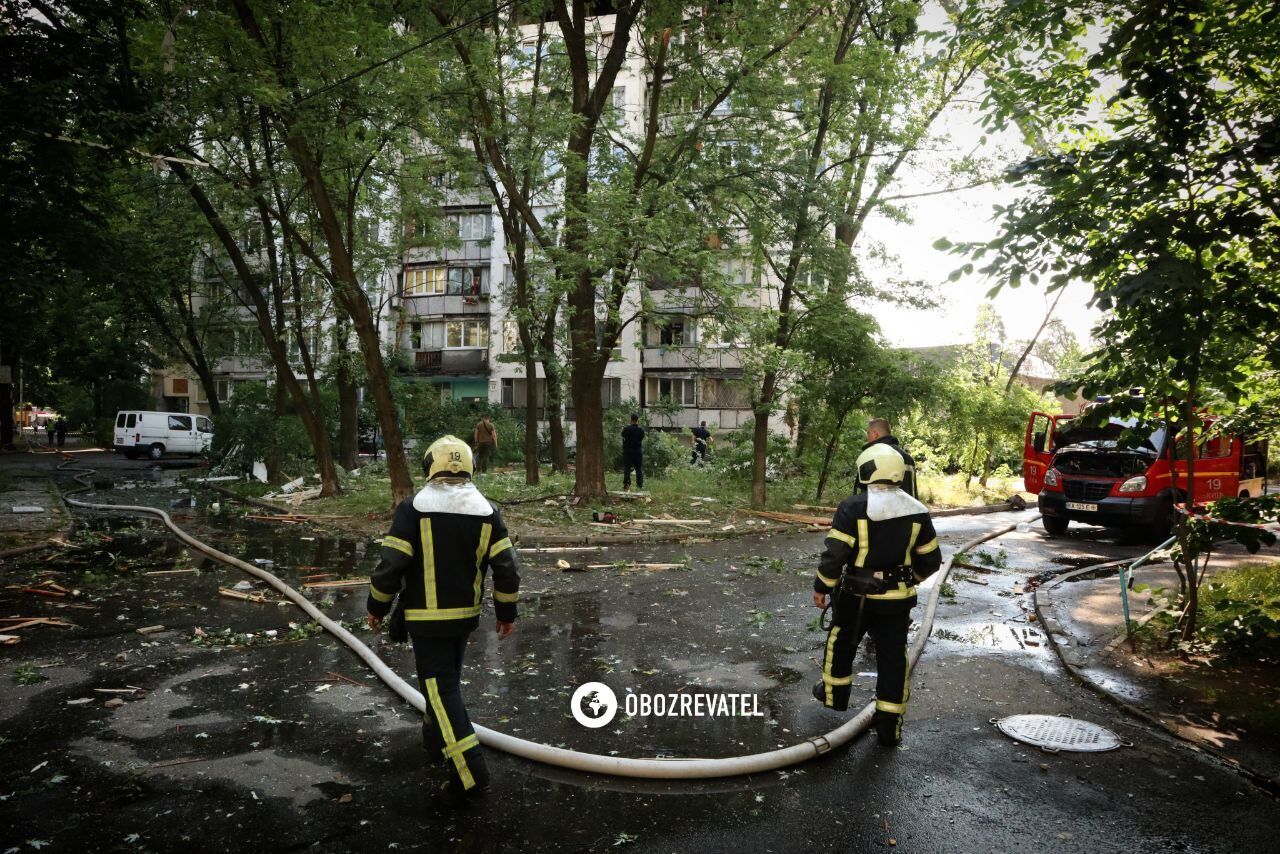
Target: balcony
[[676, 358], [436, 305], [450, 363]]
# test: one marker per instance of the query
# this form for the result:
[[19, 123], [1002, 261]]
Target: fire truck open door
[[1038, 447]]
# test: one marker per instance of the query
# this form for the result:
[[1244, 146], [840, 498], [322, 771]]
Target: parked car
[[157, 433]]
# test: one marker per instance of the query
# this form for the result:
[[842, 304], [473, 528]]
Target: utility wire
[[425, 43]]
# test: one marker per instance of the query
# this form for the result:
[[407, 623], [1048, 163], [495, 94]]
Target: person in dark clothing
[[61, 428], [442, 543], [701, 443], [633, 453], [882, 543], [48, 429], [880, 433]]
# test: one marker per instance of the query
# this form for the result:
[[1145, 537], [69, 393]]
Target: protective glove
[[864, 586]]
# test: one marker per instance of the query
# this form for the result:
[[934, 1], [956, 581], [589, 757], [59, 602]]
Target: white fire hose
[[663, 769]]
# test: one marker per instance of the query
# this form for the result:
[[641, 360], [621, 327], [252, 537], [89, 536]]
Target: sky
[[962, 216]]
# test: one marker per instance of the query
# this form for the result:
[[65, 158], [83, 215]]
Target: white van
[[157, 433]]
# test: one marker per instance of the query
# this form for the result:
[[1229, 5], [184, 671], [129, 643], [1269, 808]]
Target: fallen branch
[[793, 518], [346, 582], [260, 598]]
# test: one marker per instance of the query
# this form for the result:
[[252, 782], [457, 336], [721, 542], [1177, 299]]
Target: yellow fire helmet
[[448, 456], [881, 464]]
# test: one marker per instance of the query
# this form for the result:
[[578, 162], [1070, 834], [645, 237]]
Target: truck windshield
[[1109, 436]]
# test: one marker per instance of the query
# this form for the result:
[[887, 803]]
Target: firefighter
[[881, 544], [441, 545], [880, 433]]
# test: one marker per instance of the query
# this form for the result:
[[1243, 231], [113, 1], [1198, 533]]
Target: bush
[[248, 430], [733, 456], [425, 418], [1240, 613]]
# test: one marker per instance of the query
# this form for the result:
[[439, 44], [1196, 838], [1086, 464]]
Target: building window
[[415, 336], [446, 392], [611, 392], [180, 386], [668, 332], [422, 281], [510, 336], [508, 392], [224, 389], [471, 226], [468, 281], [466, 334], [681, 392], [719, 393]]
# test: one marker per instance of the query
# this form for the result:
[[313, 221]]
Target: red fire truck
[[1085, 474]]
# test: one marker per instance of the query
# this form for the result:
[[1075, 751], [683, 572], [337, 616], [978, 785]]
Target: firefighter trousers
[[889, 631], [446, 728]]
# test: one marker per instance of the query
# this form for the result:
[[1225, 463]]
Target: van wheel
[[1055, 526], [156, 451]]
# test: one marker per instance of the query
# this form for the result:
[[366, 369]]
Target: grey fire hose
[[670, 769]]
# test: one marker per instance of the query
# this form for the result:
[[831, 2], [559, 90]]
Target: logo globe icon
[[593, 705]]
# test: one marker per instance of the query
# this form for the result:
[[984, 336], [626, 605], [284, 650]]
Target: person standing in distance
[[633, 453], [701, 443], [880, 433], [485, 439], [442, 544], [881, 544]]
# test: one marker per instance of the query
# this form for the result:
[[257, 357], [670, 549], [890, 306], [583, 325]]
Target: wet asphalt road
[[249, 748]]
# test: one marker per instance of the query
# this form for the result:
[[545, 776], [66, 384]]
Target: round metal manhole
[[1053, 733]]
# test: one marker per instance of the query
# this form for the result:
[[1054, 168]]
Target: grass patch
[[27, 674], [1239, 616]]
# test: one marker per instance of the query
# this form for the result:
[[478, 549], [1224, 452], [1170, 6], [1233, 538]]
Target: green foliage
[[28, 674], [248, 430], [426, 418], [1240, 615], [733, 455]]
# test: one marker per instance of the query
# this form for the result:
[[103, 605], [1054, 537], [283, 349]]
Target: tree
[[629, 199], [1166, 202], [827, 165]]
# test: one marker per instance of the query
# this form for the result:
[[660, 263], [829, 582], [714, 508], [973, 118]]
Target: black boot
[[888, 728]]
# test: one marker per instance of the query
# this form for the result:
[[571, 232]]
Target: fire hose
[[671, 769]]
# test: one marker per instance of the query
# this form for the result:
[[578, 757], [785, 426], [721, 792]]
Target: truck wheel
[[156, 451], [1055, 526]]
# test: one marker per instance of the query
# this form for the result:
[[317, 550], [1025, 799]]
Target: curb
[[1046, 613]]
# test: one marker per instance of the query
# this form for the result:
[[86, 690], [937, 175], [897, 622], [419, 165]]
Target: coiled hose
[[654, 769]]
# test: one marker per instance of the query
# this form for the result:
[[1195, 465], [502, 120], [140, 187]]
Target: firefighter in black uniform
[[880, 433], [442, 543], [881, 544]]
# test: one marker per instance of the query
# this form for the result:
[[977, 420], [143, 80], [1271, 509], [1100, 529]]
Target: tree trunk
[[589, 414], [759, 458], [760, 439], [349, 418], [555, 418], [826, 457], [532, 471], [1193, 577]]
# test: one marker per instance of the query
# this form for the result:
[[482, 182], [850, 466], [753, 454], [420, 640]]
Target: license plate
[[1086, 508]]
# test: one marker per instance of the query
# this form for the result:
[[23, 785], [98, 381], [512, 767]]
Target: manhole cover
[[1050, 732]]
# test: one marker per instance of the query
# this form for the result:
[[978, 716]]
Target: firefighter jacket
[[908, 479], [885, 534], [441, 545]]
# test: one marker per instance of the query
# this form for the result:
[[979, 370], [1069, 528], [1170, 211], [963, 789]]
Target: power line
[[425, 43]]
